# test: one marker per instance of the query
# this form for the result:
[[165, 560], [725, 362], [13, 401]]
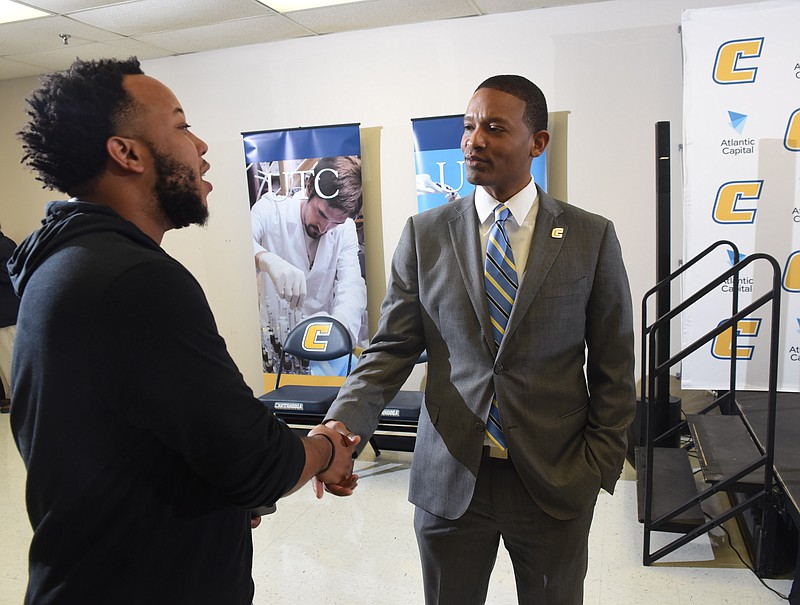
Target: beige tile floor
[[362, 549]]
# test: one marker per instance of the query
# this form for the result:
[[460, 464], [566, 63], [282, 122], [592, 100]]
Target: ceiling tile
[[507, 6], [151, 16], [380, 13], [63, 58], [212, 37], [44, 34], [67, 6], [16, 69]]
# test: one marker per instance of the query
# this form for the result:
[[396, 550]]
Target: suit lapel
[[546, 243], [465, 239]]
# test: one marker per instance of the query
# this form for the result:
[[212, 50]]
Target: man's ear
[[125, 153], [539, 141]]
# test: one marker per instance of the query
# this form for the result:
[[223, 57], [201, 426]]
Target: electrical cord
[[745, 563]]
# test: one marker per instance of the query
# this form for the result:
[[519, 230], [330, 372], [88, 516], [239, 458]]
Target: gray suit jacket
[[564, 427]]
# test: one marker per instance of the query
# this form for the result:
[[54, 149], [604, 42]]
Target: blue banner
[[301, 143], [440, 163]]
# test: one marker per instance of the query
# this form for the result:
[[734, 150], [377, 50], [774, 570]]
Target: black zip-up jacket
[[144, 446], [9, 302]]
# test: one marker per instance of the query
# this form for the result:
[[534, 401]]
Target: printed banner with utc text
[[307, 230]]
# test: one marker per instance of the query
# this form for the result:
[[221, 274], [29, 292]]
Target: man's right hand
[[290, 282]]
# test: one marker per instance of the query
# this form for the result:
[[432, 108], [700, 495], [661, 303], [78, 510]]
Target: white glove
[[290, 282]]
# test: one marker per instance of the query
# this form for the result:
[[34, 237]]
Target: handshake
[[336, 475], [330, 451]]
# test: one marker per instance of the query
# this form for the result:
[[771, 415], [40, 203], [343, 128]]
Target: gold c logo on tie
[[557, 233]]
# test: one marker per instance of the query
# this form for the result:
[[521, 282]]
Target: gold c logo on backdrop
[[791, 274], [747, 328], [726, 67], [792, 139], [728, 197]]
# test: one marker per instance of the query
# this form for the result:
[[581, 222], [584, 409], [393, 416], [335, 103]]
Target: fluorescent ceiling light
[[287, 6], [12, 11]]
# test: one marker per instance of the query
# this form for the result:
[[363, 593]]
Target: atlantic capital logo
[[742, 283], [738, 121], [735, 61], [732, 257]]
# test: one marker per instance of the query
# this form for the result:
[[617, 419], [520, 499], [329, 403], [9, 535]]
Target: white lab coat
[[334, 281]]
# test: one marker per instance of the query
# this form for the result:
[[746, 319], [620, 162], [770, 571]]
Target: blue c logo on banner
[[747, 328], [726, 66], [791, 273], [729, 195], [314, 337], [792, 138]]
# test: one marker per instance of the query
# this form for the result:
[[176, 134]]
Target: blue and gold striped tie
[[500, 275]]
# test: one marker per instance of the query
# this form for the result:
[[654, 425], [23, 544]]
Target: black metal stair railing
[[656, 372]]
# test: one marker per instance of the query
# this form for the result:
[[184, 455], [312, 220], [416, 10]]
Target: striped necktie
[[500, 276]]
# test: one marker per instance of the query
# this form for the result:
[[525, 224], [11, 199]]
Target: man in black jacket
[[145, 449], [9, 308]]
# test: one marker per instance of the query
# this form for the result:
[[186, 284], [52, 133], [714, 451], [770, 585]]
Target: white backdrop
[[741, 168]]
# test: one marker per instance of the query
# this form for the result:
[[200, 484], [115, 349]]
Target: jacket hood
[[63, 222]]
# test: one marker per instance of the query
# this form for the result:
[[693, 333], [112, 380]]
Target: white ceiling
[[151, 29]]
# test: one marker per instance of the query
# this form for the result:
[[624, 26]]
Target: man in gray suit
[[530, 385]]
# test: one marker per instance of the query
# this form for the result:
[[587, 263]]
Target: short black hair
[[72, 115], [535, 115]]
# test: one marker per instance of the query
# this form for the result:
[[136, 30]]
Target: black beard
[[176, 192]]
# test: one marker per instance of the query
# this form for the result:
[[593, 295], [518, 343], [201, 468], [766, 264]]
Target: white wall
[[616, 66]]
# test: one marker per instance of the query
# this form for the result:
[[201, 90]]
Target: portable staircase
[[730, 455]]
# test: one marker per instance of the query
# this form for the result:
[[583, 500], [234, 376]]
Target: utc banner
[[440, 163], [308, 243], [741, 166]]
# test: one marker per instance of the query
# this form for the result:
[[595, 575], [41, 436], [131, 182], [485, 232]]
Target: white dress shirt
[[524, 207]]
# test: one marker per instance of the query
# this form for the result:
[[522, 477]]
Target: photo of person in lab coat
[[308, 257]]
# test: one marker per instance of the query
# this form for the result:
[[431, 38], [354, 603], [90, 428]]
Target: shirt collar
[[519, 204]]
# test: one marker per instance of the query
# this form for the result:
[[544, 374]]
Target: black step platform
[[673, 484], [753, 405], [725, 447], [781, 532]]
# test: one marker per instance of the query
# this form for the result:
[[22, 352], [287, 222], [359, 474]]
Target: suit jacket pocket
[[572, 413], [559, 290]]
